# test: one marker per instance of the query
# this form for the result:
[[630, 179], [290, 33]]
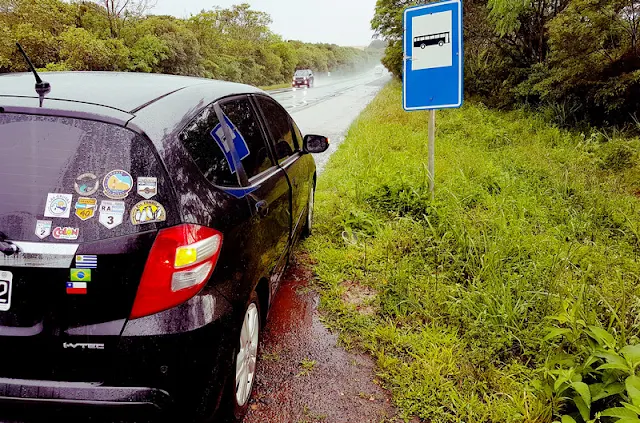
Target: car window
[[278, 123], [203, 140], [298, 134], [248, 139], [80, 180]]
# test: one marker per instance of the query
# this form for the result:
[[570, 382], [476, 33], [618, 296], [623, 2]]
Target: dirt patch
[[359, 296], [303, 376]]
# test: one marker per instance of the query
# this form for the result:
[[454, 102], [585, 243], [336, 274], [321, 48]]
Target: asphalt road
[[331, 106]]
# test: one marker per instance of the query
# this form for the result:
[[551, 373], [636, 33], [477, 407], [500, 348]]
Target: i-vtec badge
[[67, 345]]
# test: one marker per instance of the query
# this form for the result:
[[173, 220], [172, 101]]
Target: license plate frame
[[6, 288]]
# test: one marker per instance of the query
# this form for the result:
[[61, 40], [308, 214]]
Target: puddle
[[303, 376]]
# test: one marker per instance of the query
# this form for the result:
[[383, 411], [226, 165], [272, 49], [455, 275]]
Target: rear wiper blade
[[7, 248]]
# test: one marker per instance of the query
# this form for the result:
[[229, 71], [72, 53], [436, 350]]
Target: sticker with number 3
[[6, 280], [110, 220]]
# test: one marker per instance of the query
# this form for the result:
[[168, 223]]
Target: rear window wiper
[[7, 248]]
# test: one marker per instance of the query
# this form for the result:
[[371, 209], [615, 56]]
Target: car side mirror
[[315, 143]]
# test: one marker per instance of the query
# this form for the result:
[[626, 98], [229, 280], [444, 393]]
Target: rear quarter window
[[43, 158]]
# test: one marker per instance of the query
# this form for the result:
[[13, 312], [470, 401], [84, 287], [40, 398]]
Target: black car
[[139, 248], [303, 78]]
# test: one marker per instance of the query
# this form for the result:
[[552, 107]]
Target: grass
[[276, 87], [306, 367], [526, 216]]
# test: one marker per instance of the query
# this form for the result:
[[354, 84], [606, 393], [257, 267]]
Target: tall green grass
[[525, 216]]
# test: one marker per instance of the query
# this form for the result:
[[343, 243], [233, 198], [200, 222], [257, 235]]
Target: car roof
[[124, 91]]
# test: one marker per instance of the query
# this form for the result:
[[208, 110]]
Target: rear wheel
[[245, 362]]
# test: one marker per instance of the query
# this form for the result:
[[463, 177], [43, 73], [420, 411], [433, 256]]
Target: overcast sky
[[342, 22]]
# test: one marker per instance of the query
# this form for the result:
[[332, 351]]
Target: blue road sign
[[433, 52], [238, 141]]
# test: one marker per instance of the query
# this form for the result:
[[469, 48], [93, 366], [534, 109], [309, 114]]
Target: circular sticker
[[148, 211], [59, 206], [117, 184], [87, 184]]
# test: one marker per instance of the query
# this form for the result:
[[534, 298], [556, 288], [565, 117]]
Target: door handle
[[262, 207]]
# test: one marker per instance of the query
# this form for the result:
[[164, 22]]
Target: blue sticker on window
[[238, 141]]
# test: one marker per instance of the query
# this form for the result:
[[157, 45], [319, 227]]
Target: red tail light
[[181, 261]]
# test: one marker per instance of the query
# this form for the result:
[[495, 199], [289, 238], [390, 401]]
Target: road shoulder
[[304, 375]]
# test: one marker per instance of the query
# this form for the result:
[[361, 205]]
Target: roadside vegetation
[[579, 60], [513, 295], [232, 44]]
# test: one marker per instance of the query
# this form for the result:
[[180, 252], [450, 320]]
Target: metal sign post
[[432, 151], [433, 68]]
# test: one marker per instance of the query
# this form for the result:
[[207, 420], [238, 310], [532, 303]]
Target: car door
[[299, 167], [267, 189]]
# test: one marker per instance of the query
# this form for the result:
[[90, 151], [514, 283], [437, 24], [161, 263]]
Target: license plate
[[6, 278]]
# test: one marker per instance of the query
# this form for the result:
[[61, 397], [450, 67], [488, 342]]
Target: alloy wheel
[[248, 354]]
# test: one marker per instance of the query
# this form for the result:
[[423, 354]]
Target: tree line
[[233, 44], [577, 59]]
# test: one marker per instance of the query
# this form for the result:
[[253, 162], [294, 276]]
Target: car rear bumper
[[29, 392], [162, 364]]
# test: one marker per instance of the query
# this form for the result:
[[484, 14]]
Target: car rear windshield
[[64, 179]]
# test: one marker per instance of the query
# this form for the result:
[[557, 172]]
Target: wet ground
[[303, 375]]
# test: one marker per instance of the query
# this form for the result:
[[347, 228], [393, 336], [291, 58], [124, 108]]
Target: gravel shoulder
[[303, 375]]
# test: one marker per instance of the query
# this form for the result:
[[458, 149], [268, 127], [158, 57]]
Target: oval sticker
[[117, 184], [148, 211], [87, 184]]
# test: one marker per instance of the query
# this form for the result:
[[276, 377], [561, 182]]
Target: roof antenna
[[42, 87]]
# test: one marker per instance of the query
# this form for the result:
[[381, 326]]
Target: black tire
[[308, 226]]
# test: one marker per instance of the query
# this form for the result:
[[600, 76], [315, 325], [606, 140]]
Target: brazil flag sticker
[[80, 275]]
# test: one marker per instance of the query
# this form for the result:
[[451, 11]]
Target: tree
[[119, 11], [594, 61], [234, 44], [81, 50], [387, 24], [289, 58], [172, 47]]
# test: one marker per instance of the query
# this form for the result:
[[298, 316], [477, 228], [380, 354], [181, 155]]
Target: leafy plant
[[590, 378]]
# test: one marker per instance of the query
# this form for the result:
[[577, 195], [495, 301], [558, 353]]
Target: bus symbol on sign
[[440, 39]]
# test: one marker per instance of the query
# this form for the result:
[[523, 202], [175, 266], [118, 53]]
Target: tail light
[[181, 261]]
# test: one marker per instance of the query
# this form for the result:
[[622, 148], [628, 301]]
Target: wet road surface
[[303, 376], [330, 107]]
